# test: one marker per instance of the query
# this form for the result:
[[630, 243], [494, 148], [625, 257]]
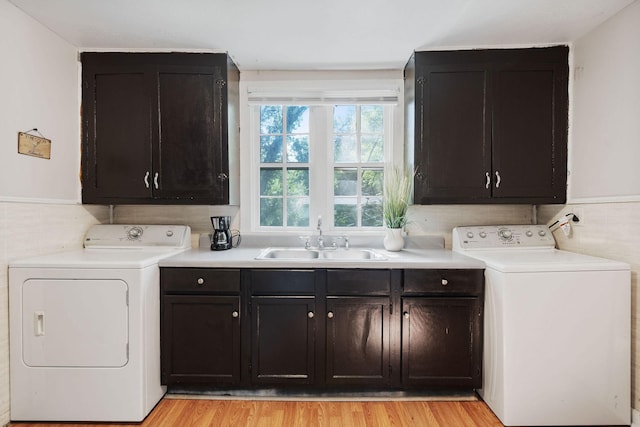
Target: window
[[284, 166], [358, 165], [310, 155]]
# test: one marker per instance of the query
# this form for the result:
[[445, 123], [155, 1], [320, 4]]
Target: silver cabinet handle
[[488, 183], [310, 315], [200, 281], [405, 315], [498, 179], [235, 314], [444, 282], [155, 180], [146, 179], [330, 315]]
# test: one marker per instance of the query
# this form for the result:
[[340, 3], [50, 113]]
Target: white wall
[[39, 89], [605, 131], [605, 137]]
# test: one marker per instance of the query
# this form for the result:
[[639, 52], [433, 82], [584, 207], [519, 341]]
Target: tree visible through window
[[358, 174], [284, 166], [347, 178]]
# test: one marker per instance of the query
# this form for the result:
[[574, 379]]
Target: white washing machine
[[85, 326], [557, 333]]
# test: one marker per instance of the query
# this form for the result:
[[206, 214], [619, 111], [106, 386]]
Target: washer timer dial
[[134, 233]]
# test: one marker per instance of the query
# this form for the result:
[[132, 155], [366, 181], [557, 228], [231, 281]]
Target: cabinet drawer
[[283, 282], [446, 281], [358, 282], [199, 280]]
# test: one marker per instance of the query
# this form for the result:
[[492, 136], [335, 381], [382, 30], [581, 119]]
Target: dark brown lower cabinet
[[439, 342], [343, 329], [283, 340], [201, 339], [357, 346]]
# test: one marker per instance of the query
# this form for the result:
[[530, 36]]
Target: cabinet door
[[529, 132], [201, 339], [452, 144], [441, 342], [283, 340], [116, 158], [357, 346], [191, 152]]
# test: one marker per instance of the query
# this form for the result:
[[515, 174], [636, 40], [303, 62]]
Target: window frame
[[320, 154]]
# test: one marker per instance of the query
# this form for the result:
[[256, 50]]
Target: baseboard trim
[[635, 418]]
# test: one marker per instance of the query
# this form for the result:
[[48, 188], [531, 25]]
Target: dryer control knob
[[470, 234], [482, 234], [529, 233], [542, 233]]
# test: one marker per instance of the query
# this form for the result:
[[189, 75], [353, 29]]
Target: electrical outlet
[[579, 212]]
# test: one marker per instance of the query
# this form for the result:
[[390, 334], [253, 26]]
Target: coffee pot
[[222, 237]]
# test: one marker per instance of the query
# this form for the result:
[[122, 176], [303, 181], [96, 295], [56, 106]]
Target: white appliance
[[85, 326], [557, 329]]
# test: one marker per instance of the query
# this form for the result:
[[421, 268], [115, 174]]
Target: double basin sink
[[302, 254]]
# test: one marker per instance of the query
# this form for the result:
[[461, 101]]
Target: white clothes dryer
[[85, 326], [557, 333]]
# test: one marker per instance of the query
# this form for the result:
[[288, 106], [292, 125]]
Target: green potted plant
[[398, 188]]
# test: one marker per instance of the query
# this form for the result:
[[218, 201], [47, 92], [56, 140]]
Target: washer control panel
[[502, 236], [137, 236]]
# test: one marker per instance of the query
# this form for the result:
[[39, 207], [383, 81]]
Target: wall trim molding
[[40, 201]]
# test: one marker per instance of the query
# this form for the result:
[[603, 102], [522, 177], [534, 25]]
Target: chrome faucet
[[319, 228]]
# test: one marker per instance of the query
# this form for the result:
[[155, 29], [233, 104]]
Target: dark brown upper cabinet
[[156, 127], [488, 126]]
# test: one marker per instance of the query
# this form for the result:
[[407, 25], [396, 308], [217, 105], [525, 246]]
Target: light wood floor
[[260, 413]]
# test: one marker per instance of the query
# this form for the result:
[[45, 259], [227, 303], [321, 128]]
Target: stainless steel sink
[[353, 254], [301, 254], [288, 253]]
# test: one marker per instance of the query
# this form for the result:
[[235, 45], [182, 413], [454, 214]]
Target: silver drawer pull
[[405, 315], [330, 315], [488, 183], [200, 281], [310, 315], [444, 282], [146, 179], [235, 314]]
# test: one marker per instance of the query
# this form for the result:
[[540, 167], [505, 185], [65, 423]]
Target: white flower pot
[[393, 240]]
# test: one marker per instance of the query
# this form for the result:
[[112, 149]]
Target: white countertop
[[427, 256]]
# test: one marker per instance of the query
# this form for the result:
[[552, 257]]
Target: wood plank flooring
[[263, 413]]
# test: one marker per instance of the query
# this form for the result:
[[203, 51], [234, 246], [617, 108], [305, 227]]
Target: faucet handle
[[345, 239], [307, 241], [319, 222]]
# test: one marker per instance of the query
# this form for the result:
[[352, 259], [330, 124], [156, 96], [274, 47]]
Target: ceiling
[[317, 34]]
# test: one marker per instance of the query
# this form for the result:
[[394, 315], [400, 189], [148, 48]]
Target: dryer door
[[75, 323]]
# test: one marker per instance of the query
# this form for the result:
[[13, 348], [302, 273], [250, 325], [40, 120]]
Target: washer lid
[[543, 260]]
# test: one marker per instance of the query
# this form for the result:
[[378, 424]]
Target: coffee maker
[[221, 238]]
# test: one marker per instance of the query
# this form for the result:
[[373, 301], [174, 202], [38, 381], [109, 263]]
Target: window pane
[[297, 182], [372, 181], [298, 119], [344, 119], [298, 149], [271, 119], [345, 182], [372, 212], [271, 212], [371, 119], [270, 149], [298, 212], [345, 148], [372, 148], [271, 182], [345, 212]]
